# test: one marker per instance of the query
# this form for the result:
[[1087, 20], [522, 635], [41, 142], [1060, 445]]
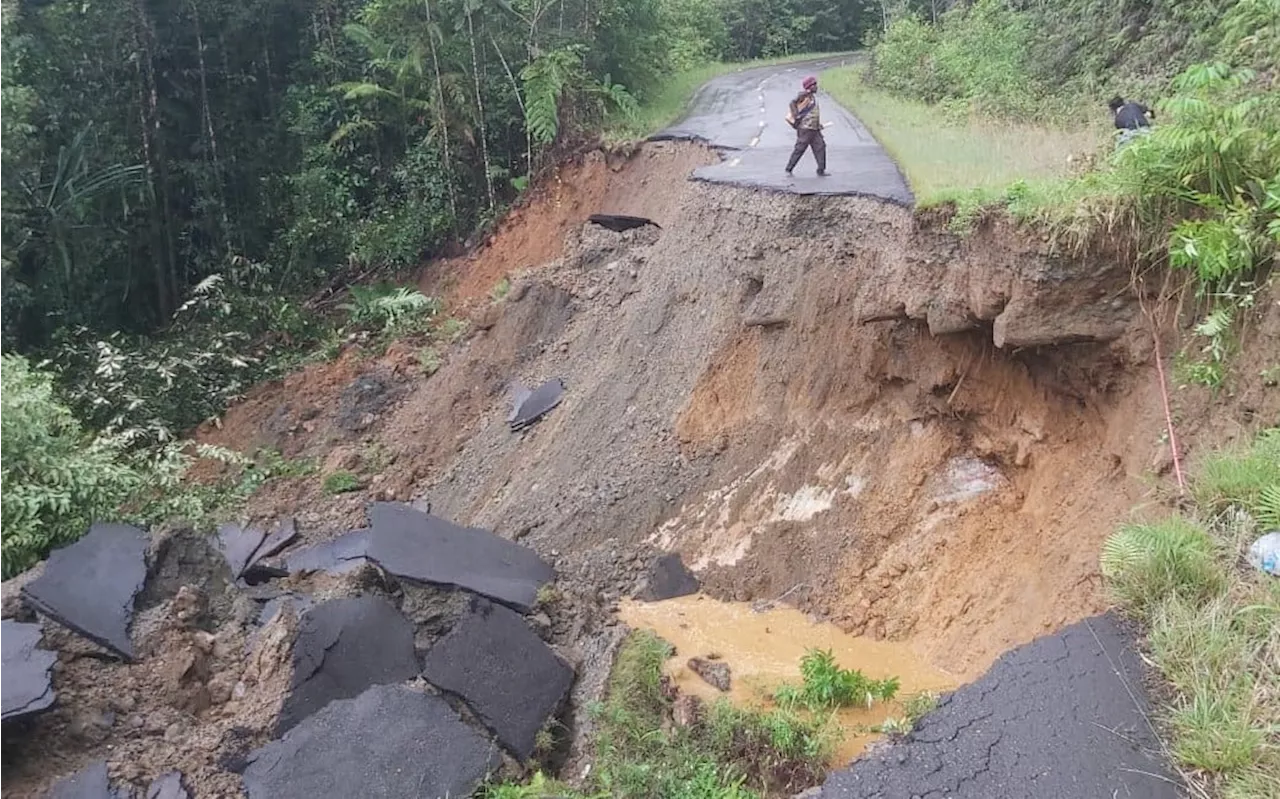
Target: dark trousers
[[804, 140]]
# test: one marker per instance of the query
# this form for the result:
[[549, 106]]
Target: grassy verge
[[667, 104], [1213, 621], [725, 753], [944, 159]]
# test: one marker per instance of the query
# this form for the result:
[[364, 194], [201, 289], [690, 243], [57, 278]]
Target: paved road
[[744, 113], [1064, 717]]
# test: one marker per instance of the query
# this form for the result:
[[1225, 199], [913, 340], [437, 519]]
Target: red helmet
[[810, 83]]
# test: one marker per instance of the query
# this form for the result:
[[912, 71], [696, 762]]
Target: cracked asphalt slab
[[1063, 717], [743, 114]]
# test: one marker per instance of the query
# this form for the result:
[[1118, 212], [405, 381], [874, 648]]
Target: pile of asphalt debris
[[381, 700]]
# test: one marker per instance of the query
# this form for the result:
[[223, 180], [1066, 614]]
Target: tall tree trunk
[[157, 169], [209, 131], [443, 121], [484, 135], [515, 87]]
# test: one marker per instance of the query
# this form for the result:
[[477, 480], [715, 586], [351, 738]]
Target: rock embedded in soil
[[389, 741], [344, 646], [90, 585], [503, 671], [668, 578], [715, 673], [413, 545], [27, 685]]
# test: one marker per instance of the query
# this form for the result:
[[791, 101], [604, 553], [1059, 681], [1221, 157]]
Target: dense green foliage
[[1213, 620], [1064, 60], [56, 477]]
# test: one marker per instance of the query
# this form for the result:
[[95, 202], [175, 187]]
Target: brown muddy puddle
[[763, 651]]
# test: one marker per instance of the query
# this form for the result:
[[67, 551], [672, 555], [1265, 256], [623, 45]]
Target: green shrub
[[978, 56], [57, 478], [825, 685], [1245, 476], [1145, 563], [388, 309], [341, 483]]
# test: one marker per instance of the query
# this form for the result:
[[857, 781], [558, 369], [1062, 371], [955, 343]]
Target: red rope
[[1168, 414]]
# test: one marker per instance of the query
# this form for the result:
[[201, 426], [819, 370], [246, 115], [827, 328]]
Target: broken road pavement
[[503, 671], [1063, 716], [27, 683], [90, 586], [389, 741]]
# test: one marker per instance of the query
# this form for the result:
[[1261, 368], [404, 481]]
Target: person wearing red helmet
[[808, 126]]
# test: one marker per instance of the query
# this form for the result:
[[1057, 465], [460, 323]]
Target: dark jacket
[[1132, 116]]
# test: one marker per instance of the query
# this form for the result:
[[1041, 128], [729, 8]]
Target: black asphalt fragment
[[620, 222], [743, 113], [342, 554], [90, 585], [668, 578], [530, 406], [1063, 717], [344, 646], [238, 546], [388, 742], [90, 783], [27, 686], [413, 545], [503, 671], [167, 786]]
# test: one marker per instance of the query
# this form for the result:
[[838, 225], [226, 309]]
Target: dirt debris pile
[[319, 660]]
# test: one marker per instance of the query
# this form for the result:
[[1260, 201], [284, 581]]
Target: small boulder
[[668, 578], [713, 672]]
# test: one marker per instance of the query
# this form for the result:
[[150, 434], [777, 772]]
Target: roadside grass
[[1212, 621], [726, 753], [945, 159], [667, 104]]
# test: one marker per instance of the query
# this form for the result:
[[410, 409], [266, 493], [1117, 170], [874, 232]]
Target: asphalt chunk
[[90, 585], [344, 646], [668, 578], [342, 554], [1063, 716], [91, 782], [238, 546], [389, 742], [530, 406], [27, 685], [167, 786], [503, 671], [413, 545], [620, 222]]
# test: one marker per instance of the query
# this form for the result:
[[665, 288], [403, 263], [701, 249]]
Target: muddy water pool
[[763, 650]]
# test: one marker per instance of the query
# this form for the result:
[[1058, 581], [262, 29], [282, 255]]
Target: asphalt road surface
[[1064, 717], [744, 114]]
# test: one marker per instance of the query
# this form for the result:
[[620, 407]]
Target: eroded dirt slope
[[922, 437]]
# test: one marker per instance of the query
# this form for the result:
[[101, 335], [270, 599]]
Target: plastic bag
[[1265, 553]]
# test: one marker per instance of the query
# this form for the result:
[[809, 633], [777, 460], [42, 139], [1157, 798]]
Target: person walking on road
[[808, 126]]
